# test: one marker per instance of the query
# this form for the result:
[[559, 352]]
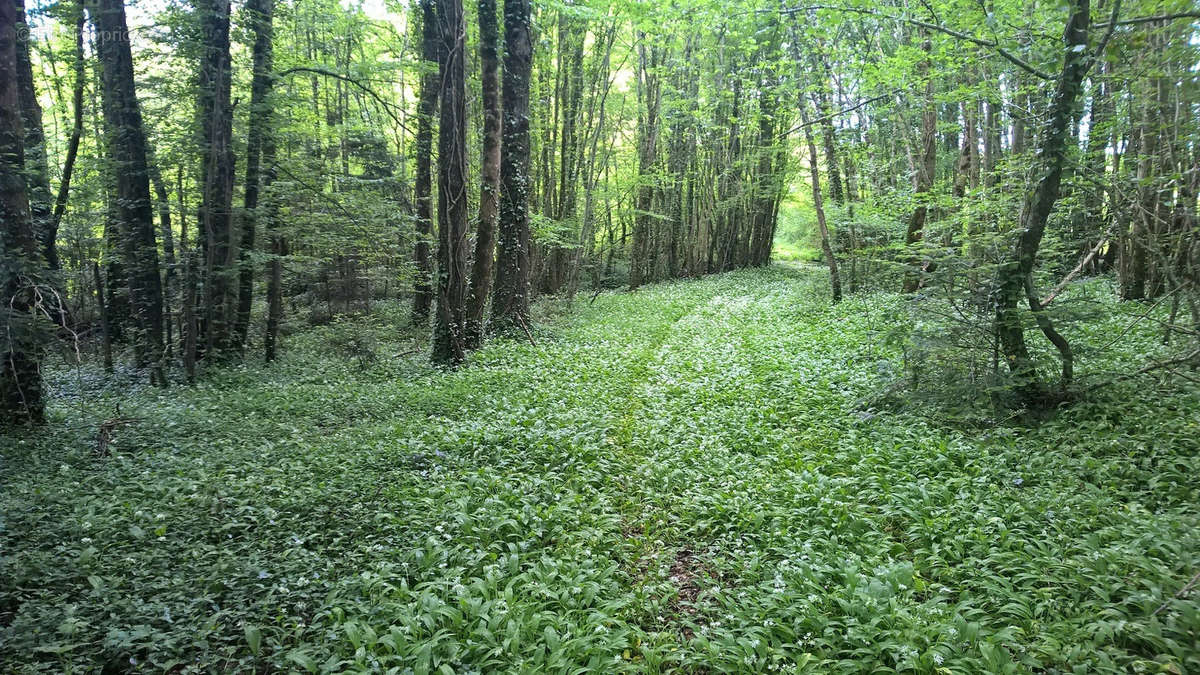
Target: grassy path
[[670, 480]]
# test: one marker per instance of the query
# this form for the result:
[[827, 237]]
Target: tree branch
[[1004, 53]]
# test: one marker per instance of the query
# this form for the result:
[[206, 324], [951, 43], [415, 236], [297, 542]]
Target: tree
[[510, 302], [215, 222], [423, 189], [260, 14], [1016, 274], [650, 93], [38, 180], [489, 174], [20, 374], [449, 326], [133, 210]]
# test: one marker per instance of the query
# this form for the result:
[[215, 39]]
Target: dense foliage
[[697, 477]]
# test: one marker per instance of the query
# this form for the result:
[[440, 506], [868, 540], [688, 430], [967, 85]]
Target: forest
[[570, 336]]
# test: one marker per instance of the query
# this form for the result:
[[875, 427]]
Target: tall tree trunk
[[1016, 274], [641, 267], [510, 302], [20, 374], [134, 208], [68, 169], [835, 281], [489, 173], [34, 144], [448, 346], [278, 249], [427, 100], [926, 163], [168, 246], [260, 14], [215, 226]]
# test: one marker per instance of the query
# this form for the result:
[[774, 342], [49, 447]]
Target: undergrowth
[[678, 479]]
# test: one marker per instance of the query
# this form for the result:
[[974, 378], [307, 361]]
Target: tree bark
[[510, 302], [37, 173], [20, 374], [64, 186], [215, 224], [1016, 274], [260, 15], [925, 163], [448, 345], [489, 174], [835, 281], [427, 100], [641, 268], [126, 140]]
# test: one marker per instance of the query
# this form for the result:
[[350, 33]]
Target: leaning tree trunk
[[489, 174], [510, 302], [1016, 274], [126, 140], [448, 346], [835, 281], [20, 376], [68, 169], [427, 101], [260, 12]]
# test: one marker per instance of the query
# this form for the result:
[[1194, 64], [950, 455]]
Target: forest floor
[[677, 479]]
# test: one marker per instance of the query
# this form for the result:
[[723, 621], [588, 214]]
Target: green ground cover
[[679, 479]]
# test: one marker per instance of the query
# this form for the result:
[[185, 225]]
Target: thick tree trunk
[[448, 346], [489, 174], [1016, 274], [37, 175], [20, 375], [427, 100], [510, 302], [215, 226], [260, 14], [134, 209]]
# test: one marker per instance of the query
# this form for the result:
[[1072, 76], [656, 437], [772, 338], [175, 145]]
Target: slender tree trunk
[[278, 250], [102, 308], [926, 163], [168, 245], [260, 13], [448, 346], [427, 100], [835, 281], [489, 178], [1016, 274], [134, 208], [641, 267], [20, 374], [510, 303], [64, 186]]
